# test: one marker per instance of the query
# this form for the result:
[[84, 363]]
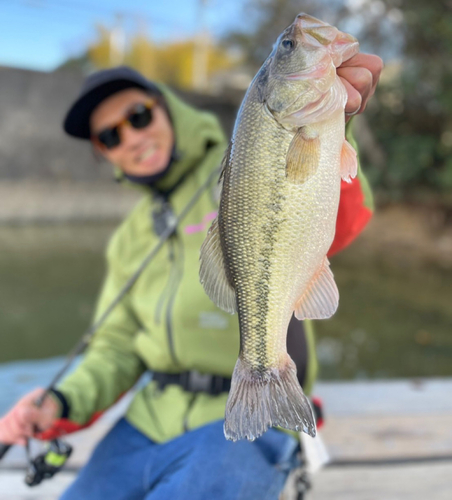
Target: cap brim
[[77, 119]]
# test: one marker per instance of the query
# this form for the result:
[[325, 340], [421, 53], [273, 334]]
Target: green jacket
[[166, 322]]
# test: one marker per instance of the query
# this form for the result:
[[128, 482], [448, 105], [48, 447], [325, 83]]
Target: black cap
[[95, 89]]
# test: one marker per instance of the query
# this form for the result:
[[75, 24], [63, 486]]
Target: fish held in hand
[[265, 254]]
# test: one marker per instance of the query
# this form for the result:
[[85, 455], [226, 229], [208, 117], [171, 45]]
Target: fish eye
[[287, 44]]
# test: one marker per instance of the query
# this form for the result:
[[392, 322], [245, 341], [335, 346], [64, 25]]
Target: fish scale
[[264, 257], [255, 238]]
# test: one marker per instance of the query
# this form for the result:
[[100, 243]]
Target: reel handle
[[4, 449]]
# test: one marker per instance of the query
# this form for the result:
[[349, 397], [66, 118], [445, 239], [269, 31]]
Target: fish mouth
[[305, 21]]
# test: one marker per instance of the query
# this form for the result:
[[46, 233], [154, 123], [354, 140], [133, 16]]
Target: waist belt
[[194, 381]]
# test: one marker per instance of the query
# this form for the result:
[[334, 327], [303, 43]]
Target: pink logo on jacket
[[197, 228]]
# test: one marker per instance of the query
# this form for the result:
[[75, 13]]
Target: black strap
[[63, 401], [297, 347], [193, 381]]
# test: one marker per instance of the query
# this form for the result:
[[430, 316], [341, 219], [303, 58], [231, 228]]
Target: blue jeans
[[198, 465]]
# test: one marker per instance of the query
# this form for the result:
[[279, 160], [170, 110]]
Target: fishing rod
[[89, 333]]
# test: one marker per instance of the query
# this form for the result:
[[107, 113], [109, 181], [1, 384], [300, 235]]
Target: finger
[[10, 441], [11, 432], [19, 421], [35, 416], [19, 431], [360, 79], [6, 436], [26, 420], [354, 99], [22, 430], [28, 430], [369, 61], [33, 395]]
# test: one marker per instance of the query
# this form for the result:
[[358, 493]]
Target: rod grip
[[4, 449]]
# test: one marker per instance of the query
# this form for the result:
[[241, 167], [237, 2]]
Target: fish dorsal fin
[[321, 298], [303, 156], [212, 271], [349, 162]]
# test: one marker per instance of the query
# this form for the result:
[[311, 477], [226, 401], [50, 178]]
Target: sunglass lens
[[109, 137], [141, 117]]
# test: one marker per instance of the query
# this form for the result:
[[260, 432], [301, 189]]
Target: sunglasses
[[139, 116]]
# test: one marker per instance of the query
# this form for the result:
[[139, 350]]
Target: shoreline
[[398, 233]]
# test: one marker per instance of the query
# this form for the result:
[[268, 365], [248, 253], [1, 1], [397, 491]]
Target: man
[[170, 445]]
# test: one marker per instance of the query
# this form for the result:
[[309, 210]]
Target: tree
[[410, 118], [170, 63]]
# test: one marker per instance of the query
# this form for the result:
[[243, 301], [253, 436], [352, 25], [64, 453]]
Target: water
[[392, 321], [49, 279]]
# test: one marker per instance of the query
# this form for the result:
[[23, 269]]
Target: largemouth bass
[[265, 254]]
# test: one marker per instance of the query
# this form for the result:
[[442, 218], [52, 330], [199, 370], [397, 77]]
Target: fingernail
[[354, 112]]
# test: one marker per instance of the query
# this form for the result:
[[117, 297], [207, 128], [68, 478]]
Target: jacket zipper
[[171, 300], [167, 289]]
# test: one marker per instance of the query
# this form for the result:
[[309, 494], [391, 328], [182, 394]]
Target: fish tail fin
[[259, 400]]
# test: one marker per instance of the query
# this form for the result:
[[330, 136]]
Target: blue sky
[[42, 34]]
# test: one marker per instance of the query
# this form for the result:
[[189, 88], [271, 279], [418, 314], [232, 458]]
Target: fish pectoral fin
[[349, 162], [212, 271], [303, 156], [321, 299]]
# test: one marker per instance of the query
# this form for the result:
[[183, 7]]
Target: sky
[[42, 34]]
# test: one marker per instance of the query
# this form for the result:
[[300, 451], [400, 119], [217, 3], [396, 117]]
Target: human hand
[[25, 417], [360, 75]]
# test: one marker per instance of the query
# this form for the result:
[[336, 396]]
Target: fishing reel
[[47, 464]]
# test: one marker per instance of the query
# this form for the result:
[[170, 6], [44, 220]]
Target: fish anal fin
[[321, 298], [303, 157], [212, 271], [349, 162]]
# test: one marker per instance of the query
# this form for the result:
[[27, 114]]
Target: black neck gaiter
[[150, 180]]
